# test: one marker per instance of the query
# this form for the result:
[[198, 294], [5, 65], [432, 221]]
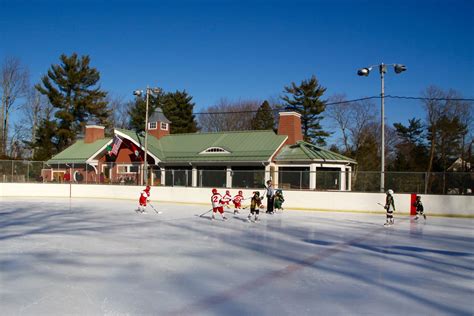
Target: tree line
[[55, 111]]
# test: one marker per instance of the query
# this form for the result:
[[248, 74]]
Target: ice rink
[[98, 257]]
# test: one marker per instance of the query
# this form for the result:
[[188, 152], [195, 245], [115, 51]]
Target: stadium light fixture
[[364, 72]]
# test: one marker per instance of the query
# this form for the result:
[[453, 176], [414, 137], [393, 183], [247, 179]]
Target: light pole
[[398, 68], [139, 93]]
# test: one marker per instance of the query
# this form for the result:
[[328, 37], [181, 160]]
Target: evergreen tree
[[178, 108], [449, 140], [72, 90], [306, 100], [411, 151], [46, 142], [263, 119]]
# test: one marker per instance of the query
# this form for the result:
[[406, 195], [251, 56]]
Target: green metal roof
[[252, 146], [79, 152], [241, 145], [303, 151]]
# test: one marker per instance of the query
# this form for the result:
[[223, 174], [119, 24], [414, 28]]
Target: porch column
[[228, 177], [342, 179], [194, 177], [276, 179], [349, 178], [267, 173], [163, 176], [312, 176]]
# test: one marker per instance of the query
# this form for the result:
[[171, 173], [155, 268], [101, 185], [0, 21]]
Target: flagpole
[[145, 172]]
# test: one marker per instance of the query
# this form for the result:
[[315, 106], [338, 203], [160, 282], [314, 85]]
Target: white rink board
[[336, 201]]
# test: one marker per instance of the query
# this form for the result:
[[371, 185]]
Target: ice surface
[[98, 257]]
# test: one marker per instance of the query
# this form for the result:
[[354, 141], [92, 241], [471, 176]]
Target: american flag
[[117, 143]]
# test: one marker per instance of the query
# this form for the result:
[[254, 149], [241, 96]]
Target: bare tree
[[341, 115], [229, 116], [119, 109], [13, 84], [33, 110], [353, 120], [365, 117]]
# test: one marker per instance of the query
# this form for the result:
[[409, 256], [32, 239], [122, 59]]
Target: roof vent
[[215, 150]]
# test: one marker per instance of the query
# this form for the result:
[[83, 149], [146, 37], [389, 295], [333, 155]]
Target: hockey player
[[279, 200], [390, 208], [144, 198], [255, 205], [419, 208], [226, 199], [237, 200], [217, 206]]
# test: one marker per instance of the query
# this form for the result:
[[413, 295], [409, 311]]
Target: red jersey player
[[226, 199], [237, 200], [144, 197], [216, 200]]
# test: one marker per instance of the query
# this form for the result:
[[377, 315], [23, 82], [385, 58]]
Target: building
[[240, 159]]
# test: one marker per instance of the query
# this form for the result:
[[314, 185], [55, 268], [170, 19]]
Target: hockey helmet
[[214, 191], [240, 193], [227, 192], [147, 188], [418, 197], [257, 193], [390, 192]]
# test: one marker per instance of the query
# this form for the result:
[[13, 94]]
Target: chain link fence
[[15, 171]]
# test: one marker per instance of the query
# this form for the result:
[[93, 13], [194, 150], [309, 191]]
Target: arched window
[[215, 150]]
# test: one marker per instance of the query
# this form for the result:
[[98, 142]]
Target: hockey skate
[[213, 217], [424, 216]]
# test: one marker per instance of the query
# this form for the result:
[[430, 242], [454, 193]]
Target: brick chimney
[[290, 125], [158, 124], [93, 133]]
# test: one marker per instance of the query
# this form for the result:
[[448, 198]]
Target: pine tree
[[178, 108], [46, 140], [306, 100], [71, 88], [263, 119], [412, 152]]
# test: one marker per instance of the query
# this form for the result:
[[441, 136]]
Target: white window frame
[[127, 169], [152, 125], [164, 126]]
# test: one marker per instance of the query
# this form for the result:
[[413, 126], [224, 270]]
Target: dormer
[[158, 124]]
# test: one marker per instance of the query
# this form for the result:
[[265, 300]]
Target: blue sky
[[250, 49]]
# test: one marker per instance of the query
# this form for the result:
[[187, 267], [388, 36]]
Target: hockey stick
[[381, 205], [205, 213], [154, 209]]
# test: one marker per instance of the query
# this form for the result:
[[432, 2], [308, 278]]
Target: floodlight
[[399, 68], [363, 72]]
